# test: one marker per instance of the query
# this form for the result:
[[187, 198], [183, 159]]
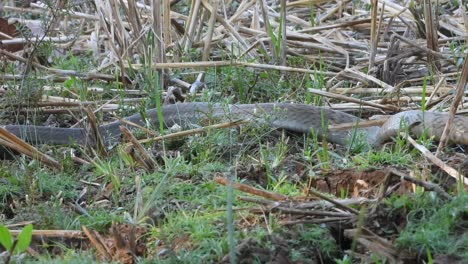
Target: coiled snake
[[292, 117]]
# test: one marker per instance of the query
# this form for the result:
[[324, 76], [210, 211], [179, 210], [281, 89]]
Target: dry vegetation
[[65, 62]]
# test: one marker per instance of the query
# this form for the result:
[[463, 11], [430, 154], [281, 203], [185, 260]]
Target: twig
[[13, 142], [427, 185], [337, 204], [374, 33], [357, 74], [73, 234], [353, 100], [81, 75], [249, 189], [144, 158], [98, 241], [282, 207], [453, 108], [316, 221], [194, 131]]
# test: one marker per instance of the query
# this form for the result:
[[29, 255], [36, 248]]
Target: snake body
[[292, 117]]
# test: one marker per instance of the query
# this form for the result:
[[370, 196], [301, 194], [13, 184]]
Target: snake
[[298, 118]]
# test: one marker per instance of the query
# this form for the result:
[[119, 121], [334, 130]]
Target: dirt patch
[[352, 183]]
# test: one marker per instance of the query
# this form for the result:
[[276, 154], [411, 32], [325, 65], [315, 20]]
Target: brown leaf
[[11, 32]]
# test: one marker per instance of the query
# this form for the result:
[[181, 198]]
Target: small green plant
[[276, 38], [321, 149], [316, 81], [314, 150], [395, 155], [18, 245], [429, 256], [455, 3], [264, 156], [271, 159], [423, 94], [312, 14], [107, 169], [343, 193], [457, 50]]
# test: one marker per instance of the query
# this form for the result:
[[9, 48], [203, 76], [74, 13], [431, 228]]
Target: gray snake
[[292, 117]]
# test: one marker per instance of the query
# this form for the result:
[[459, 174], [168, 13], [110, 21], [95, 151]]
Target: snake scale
[[292, 117]]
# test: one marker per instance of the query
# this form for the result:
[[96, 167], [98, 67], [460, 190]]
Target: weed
[[457, 50], [423, 94], [208, 148], [108, 170], [318, 149], [284, 186], [272, 159], [15, 246]]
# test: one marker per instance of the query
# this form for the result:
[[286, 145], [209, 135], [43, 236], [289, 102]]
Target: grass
[[381, 157], [183, 208], [69, 256], [436, 226]]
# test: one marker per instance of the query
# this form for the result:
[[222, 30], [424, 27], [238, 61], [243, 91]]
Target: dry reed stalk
[[415, 90], [159, 46], [374, 34], [249, 189], [13, 142], [81, 75], [433, 158], [453, 109], [283, 25], [61, 234], [435, 90], [91, 113], [41, 10], [203, 64], [354, 100], [191, 23], [367, 78], [207, 40], [166, 24], [430, 21], [138, 152], [426, 185], [93, 123], [194, 131]]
